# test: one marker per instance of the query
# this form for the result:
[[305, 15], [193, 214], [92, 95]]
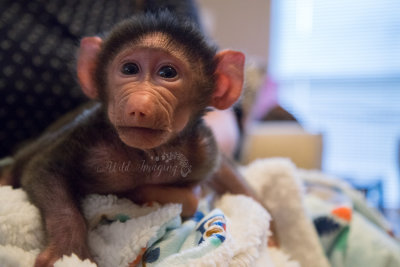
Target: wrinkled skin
[[147, 109]]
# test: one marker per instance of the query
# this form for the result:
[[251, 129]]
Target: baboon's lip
[[140, 130]]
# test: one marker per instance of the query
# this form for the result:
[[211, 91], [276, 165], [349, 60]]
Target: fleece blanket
[[346, 225], [233, 232]]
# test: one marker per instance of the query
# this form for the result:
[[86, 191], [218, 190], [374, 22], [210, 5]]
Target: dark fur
[[67, 151], [83, 140]]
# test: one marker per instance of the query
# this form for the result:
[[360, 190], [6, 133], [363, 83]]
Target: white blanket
[[121, 242]]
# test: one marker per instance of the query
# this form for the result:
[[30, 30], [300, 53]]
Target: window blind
[[337, 64]]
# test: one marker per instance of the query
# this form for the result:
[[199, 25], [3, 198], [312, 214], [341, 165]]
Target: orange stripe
[[138, 258], [343, 212]]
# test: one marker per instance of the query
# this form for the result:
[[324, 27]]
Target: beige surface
[[238, 24], [283, 139]]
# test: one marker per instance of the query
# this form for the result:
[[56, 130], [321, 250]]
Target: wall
[[238, 24]]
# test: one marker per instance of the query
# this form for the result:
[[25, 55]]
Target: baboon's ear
[[87, 57], [229, 78]]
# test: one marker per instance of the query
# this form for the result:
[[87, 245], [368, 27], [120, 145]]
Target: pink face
[[148, 99], [151, 88]]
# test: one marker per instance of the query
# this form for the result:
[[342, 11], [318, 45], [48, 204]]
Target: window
[[337, 65]]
